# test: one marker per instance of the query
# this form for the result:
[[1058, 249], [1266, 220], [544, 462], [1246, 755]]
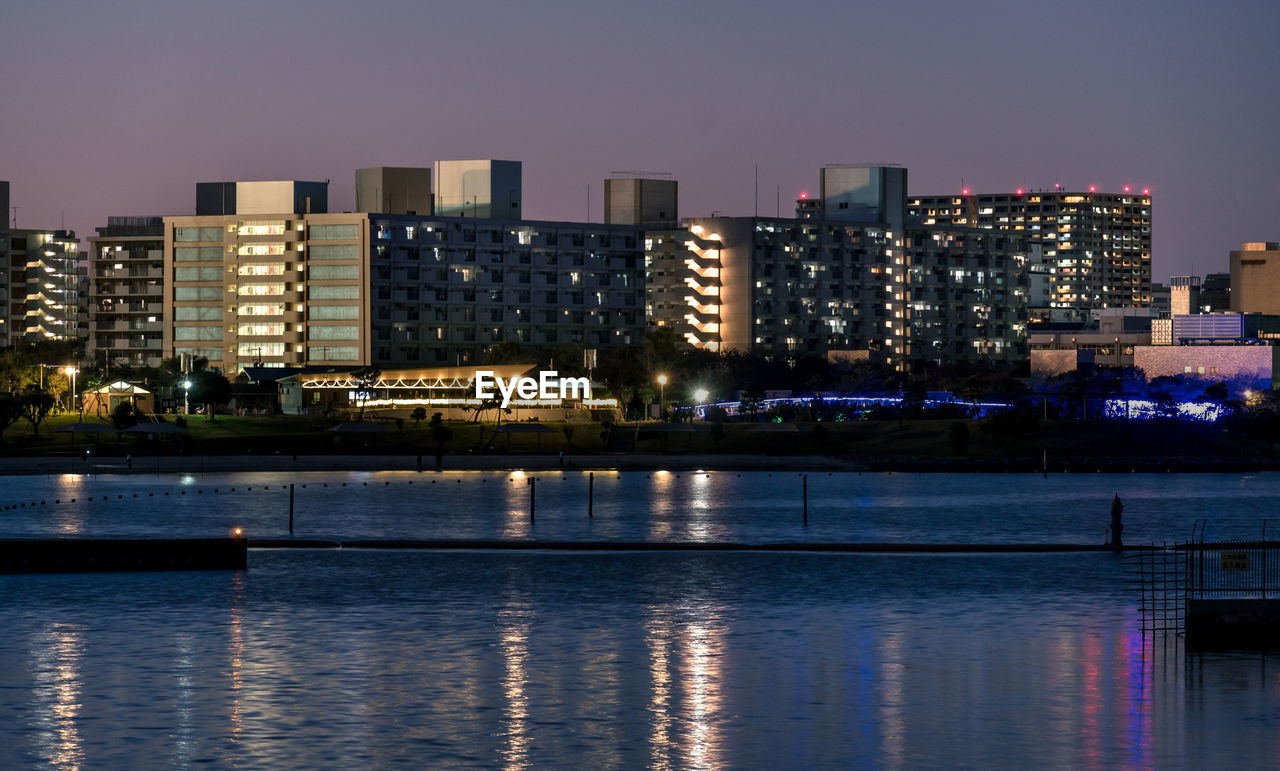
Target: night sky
[[120, 108]]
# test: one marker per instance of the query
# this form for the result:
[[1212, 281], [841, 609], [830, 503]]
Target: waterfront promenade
[[276, 463]]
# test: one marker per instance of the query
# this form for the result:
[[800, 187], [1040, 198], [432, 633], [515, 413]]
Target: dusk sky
[[120, 108]]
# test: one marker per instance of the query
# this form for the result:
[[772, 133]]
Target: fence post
[[533, 491]]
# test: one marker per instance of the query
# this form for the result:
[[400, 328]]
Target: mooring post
[[591, 493], [419, 463], [291, 508], [533, 489], [804, 487]]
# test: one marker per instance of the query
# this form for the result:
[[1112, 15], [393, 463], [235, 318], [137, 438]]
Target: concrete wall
[[635, 201], [865, 194], [393, 190], [484, 188], [1049, 363], [1241, 367]]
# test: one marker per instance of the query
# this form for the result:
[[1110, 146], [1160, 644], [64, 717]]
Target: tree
[[366, 378], [417, 416], [124, 416], [35, 406], [439, 431], [10, 412], [211, 389]]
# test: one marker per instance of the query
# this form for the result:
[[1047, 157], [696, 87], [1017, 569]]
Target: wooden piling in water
[[804, 487], [591, 493], [533, 489], [291, 508]]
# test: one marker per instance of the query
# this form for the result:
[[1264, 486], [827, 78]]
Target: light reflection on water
[[660, 505], [622, 660], [326, 659]]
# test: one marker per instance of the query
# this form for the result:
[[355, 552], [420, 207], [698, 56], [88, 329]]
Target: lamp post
[[71, 371], [700, 397], [186, 397], [662, 391]]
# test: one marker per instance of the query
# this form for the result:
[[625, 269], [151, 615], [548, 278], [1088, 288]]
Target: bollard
[[290, 508], [804, 487], [419, 463], [533, 488], [591, 493]]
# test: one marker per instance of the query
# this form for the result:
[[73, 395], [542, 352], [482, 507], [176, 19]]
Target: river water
[[339, 658]]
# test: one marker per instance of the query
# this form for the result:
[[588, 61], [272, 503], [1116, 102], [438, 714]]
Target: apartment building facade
[[307, 288], [42, 287], [1096, 246], [818, 286], [126, 292]]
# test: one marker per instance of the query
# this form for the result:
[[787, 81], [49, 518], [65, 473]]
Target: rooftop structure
[[484, 189]]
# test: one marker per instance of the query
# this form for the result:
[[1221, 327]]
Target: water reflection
[[658, 636], [687, 656], [57, 695], [68, 519], [513, 644], [516, 494]]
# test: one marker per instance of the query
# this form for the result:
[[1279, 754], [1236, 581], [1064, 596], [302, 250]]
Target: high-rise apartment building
[[293, 288], [43, 292], [127, 292], [1096, 246], [817, 286]]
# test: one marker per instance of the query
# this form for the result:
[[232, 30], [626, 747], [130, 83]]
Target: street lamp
[[662, 391], [71, 372], [701, 395], [186, 397]]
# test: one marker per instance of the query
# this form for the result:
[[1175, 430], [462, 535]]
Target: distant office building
[[391, 190], [43, 291], [293, 289], [1098, 245], [1184, 295], [640, 199], [798, 286], [484, 189], [1255, 278], [1215, 293], [126, 292]]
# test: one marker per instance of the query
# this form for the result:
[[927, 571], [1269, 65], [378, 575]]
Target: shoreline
[[170, 464]]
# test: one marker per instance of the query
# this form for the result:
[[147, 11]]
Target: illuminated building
[[126, 292], [1096, 246], [41, 282], [283, 286], [825, 287], [43, 293]]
